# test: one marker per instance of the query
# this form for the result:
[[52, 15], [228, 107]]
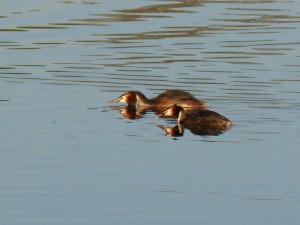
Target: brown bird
[[165, 99], [204, 122]]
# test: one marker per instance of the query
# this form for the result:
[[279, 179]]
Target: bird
[[203, 122], [165, 99]]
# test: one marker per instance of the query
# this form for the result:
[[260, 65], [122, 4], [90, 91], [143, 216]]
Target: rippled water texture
[[70, 157]]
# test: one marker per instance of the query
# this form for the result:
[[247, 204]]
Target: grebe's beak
[[116, 100], [166, 112], [161, 114]]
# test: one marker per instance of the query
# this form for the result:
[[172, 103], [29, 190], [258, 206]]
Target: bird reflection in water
[[132, 112], [176, 131]]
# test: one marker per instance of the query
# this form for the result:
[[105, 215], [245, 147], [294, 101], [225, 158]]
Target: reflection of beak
[[161, 127], [164, 113], [116, 100]]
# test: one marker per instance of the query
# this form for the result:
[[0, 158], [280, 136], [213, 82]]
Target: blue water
[[70, 157]]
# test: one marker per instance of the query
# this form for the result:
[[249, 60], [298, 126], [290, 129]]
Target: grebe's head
[[129, 98], [172, 111]]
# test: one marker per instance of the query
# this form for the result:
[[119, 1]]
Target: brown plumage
[[165, 99], [204, 122]]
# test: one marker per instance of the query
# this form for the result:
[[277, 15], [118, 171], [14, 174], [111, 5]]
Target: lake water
[[67, 156]]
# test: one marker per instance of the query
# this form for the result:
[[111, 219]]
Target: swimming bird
[[165, 99], [204, 122]]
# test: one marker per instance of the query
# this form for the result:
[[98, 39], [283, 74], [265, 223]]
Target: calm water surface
[[69, 157]]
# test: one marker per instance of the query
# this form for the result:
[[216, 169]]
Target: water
[[69, 157]]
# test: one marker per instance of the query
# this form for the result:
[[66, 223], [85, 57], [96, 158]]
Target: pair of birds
[[191, 112]]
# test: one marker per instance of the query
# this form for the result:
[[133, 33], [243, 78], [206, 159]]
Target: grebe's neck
[[142, 99], [181, 115]]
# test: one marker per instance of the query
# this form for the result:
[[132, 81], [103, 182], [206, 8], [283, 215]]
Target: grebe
[[165, 99], [199, 120]]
